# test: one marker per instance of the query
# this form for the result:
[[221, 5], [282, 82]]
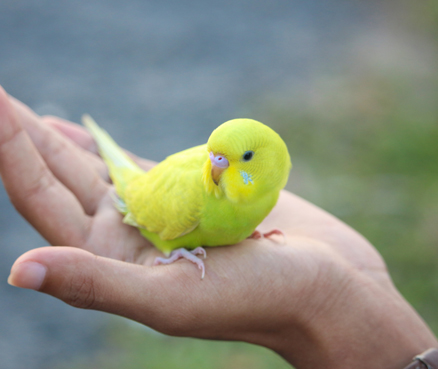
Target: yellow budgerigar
[[210, 195]]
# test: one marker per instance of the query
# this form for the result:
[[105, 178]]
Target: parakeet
[[209, 195]]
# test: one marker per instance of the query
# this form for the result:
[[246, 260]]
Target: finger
[[74, 132], [83, 138], [35, 192], [83, 280], [65, 160]]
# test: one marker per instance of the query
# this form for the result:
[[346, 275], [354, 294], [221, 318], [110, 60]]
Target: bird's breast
[[231, 221]]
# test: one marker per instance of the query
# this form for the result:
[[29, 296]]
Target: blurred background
[[352, 86]]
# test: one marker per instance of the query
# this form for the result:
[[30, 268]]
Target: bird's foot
[[256, 235], [185, 254]]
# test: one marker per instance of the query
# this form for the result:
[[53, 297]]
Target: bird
[[209, 195]]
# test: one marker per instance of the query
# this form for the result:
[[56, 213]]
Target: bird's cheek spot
[[247, 178]]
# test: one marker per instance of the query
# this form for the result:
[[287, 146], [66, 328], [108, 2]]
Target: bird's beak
[[218, 164]]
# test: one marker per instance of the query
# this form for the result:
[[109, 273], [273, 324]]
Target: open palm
[[57, 182]]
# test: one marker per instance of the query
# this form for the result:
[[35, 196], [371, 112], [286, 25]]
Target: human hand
[[322, 296]]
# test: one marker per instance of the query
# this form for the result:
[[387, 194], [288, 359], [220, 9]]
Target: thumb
[[87, 281]]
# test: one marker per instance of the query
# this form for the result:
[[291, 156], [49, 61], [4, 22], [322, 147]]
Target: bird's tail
[[121, 167]]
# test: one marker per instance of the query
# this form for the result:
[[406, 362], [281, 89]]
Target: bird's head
[[246, 159]]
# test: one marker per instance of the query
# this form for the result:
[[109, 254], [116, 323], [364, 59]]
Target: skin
[[321, 298]]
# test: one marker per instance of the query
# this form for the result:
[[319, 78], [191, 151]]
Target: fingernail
[[28, 274]]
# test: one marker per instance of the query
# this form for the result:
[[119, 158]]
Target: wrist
[[361, 325]]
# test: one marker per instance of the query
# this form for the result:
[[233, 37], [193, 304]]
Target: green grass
[[131, 346]]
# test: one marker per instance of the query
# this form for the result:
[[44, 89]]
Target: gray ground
[[159, 75]]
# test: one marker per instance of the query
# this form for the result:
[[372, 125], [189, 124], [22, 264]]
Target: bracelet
[[427, 360]]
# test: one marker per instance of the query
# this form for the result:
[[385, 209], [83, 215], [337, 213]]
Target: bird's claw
[[185, 254], [256, 235], [199, 251]]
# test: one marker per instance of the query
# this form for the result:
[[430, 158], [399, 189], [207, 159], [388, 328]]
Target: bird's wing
[[168, 199]]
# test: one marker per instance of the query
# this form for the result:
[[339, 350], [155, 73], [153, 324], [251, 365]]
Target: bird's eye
[[248, 155]]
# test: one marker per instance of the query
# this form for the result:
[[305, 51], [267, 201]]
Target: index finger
[[33, 189], [70, 164]]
